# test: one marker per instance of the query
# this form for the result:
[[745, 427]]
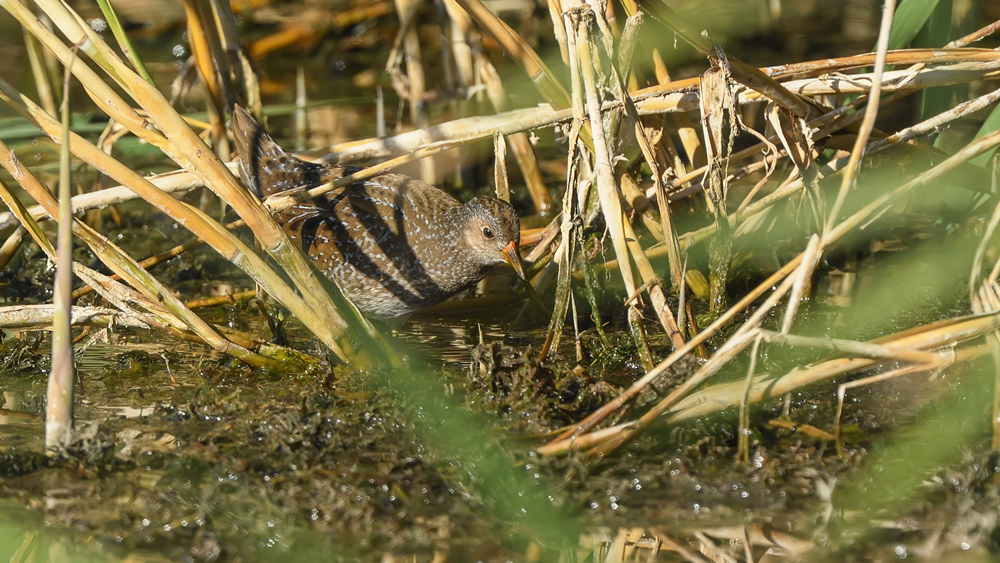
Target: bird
[[393, 244]]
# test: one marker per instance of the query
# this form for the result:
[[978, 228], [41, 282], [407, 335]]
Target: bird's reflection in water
[[447, 340]]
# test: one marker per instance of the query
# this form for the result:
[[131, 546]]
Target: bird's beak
[[513, 257]]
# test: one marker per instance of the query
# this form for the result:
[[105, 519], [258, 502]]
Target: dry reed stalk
[[810, 258], [667, 539], [822, 126], [459, 54], [464, 129], [666, 224], [500, 168], [650, 279], [578, 22], [765, 387], [288, 198], [653, 284], [235, 77], [984, 294], [977, 35], [871, 350], [228, 298], [463, 37], [899, 57], [814, 249], [678, 98], [720, 126], [672, 97], [210, 167], [555, 9], [892, 81], [743, 436], [638, 331], [241, 69], [159, 258], [234, 343], [40, 317]]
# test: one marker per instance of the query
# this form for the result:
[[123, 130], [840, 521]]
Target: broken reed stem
[[977, 35], [62, 375], [168, 182], [765, 386]]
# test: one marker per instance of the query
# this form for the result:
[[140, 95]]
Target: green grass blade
[[910, 17]]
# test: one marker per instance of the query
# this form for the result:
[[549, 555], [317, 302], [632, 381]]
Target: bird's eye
[[487, 232]]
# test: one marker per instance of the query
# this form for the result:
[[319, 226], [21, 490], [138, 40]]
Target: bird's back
[[388, 242]]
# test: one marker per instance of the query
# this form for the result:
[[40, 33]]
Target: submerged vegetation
[[761, 322]]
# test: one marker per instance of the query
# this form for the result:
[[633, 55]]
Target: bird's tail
[[266, 168]]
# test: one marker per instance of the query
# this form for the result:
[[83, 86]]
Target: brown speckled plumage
[[393, 244]]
